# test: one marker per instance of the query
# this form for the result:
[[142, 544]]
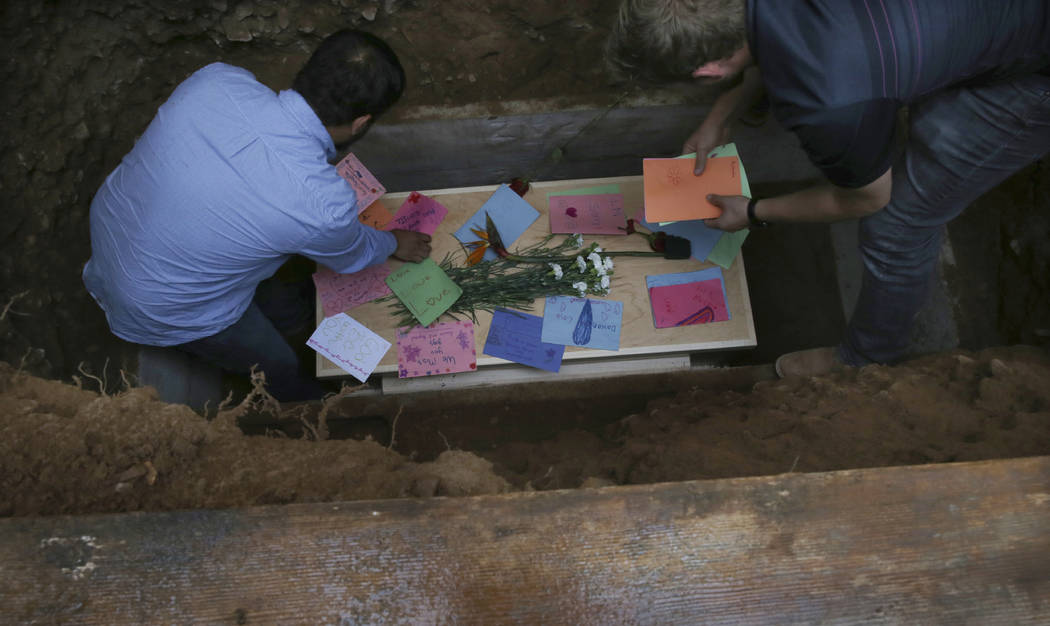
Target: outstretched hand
[[411, 246], [703, 140], [734, 213]]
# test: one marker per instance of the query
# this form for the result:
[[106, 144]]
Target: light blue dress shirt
[[228, 181]]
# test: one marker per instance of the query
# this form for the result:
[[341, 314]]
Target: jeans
[[963, 142], [255, 340]]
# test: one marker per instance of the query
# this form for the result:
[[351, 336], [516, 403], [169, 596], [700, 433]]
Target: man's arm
[[820, 203], [714, 130]]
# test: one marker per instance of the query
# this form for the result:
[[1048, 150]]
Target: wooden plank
[[638, 337], [956, 543], [508, 375]]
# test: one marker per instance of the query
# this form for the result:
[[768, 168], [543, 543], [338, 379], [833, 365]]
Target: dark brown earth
[[83, 79], [69, 450]]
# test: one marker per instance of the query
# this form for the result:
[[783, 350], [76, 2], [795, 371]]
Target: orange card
[[673, 193], [376, 215]]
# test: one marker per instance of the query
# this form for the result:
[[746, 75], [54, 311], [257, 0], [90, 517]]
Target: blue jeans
[[254, 340], [963, 142]]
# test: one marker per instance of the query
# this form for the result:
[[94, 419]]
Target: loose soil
[[70, 450]]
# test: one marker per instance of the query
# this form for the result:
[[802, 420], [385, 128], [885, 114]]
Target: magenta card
[[340, 292], [365, 185], [420, 213], [596, 214], [444, 348], [688, 303]]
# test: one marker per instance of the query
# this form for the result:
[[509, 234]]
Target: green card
[[586, 191], [727, 248], [425, 289]]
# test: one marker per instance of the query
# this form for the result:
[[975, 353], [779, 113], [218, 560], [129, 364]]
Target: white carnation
[[581, 287], [580, 263], [608, 263], [605, 282], [557, 270]]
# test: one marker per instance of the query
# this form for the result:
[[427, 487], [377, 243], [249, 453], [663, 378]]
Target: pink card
[[420, 213], [365, 185], [688, 304], [340, 292], [444, 348], [597, 214]]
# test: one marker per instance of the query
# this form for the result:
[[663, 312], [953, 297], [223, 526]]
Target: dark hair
[[665, 40], [352, 73]]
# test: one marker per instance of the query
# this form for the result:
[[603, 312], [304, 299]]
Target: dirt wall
[[83, 79]]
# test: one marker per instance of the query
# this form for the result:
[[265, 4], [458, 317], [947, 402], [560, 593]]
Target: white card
[[347, 343]]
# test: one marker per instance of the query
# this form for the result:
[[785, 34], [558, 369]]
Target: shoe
[[813, 362]]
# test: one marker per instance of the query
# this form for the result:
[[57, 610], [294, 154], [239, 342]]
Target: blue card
[[511, 215], [663, 280], [582, 322], [701, 238], [515, 336]]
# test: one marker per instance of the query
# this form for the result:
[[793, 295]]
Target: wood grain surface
[[937, 544], [638, 335]]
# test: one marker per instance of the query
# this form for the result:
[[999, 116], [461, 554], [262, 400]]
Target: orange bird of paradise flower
[[487, 239]]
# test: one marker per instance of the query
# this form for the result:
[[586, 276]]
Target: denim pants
[[963, 142], [256, 340]]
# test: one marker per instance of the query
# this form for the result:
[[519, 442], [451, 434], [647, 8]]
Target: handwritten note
[[361, 180], [425, 289], [591, 215], [420, 213], [673, 192], [340, 292], [516, 336], [347, 343], [687, 304], [509, 212], [376, 215], [680, 278], [445, 348], [582, 322]]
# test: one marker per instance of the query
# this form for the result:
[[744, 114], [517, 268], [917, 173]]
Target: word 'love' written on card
[[425, 289]]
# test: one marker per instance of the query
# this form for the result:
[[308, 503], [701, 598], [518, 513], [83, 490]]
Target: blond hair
[[661, 40]]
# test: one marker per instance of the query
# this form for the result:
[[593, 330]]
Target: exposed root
[[393, 427], [102, 383], [11, 302]]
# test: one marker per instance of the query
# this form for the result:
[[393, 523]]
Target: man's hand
[[734, 213], [704, 139], [411, 246]]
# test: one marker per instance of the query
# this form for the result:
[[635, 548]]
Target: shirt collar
[[304, 116]]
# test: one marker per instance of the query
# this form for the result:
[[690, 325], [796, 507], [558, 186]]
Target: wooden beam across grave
[[951, 543]]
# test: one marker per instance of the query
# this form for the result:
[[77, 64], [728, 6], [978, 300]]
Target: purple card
[[364, 184], [515, 336], [688, 304], [420, 213], [597, 214], [445, 348], [340, 292], [347, 343]]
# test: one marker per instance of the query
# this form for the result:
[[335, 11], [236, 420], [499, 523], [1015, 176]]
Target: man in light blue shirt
[[226, 184]]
